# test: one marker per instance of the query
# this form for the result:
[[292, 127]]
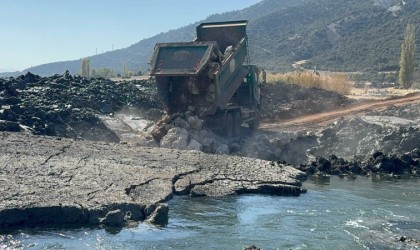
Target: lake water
[[336, 213]]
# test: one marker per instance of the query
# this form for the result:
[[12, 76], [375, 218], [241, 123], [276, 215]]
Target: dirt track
[[319, 119]]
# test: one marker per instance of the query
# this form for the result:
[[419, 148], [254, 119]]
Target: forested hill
[[339, 35], [343, 35]]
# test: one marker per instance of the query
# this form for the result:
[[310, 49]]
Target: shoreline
[[52, 181]]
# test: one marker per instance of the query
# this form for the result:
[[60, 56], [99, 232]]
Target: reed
[[334, 82]]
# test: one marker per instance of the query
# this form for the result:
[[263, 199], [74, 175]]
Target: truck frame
[[212, 76]]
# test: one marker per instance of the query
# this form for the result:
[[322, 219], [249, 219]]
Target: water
[[334, 214]]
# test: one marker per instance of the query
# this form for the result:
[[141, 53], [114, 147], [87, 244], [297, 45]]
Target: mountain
[[340, 35]]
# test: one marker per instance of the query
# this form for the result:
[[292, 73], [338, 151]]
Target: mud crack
[[62, 151]]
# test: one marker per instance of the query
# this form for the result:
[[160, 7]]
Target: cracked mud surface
[[53, 181]]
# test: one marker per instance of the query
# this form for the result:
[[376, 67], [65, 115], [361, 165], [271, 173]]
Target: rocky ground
[[76, 107], [100, 109], [53, 181], [186, 131], [93, 178], [285, 101], [396, 165], [347, 142], [69, 106]]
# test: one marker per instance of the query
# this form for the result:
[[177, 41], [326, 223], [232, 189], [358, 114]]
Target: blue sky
[[34, 32]]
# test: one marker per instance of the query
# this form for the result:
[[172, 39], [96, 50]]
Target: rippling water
[[334, 214]]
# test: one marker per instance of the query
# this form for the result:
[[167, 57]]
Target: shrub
[[416, 83]]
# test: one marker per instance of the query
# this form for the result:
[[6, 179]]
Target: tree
[[126, 73], [407, 61], [140, 72], [86, 67], [103, 72], [125, 70]]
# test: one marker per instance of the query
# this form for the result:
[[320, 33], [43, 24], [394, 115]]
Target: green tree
[[86, 67], [103, 72], [125, 70], [126, 73], [407, 61]]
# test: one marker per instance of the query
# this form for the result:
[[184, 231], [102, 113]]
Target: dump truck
[[211, 76]]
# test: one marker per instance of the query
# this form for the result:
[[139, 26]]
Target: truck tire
[[229, 126], [237, 123], [254, 124]]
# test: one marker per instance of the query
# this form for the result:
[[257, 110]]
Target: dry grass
[[334, 82]]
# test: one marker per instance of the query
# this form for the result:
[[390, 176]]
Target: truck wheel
[[228, 131], [254, 124], [237, 123]]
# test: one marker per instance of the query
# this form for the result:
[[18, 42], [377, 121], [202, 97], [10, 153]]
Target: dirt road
[[320, 119]]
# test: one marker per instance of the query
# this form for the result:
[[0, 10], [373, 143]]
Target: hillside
[[341, 35]]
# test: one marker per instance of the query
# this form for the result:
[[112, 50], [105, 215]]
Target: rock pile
[[280, 101], [67, 106], [75, 107], [185, 131], [388, 132], [406, 164], [291, 147]]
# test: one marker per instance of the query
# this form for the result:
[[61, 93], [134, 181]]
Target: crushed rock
[[185, 131]]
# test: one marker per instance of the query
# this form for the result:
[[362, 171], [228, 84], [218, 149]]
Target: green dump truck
[[211, 76]]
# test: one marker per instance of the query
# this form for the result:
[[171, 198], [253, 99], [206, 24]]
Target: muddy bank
[[53, 181]]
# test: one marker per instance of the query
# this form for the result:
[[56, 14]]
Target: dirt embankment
[[322, 117], [287, 101]]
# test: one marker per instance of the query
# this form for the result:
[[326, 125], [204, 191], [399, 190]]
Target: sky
[[34, 32]]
